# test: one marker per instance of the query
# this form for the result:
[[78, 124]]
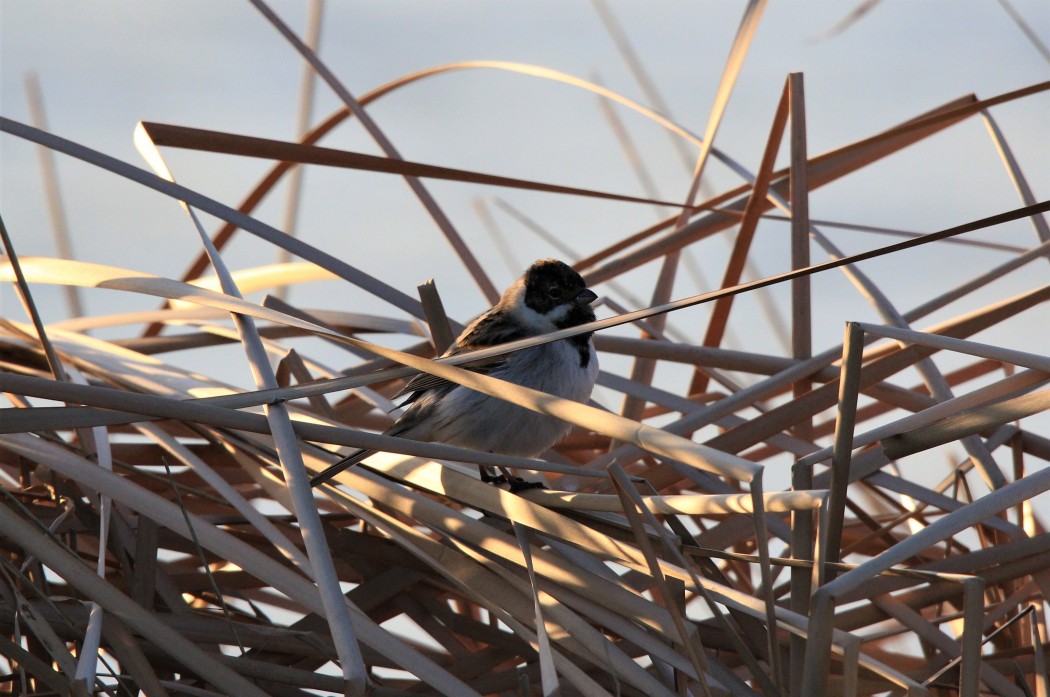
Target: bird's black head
[[554, 289]]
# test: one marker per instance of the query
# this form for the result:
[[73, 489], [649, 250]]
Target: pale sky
[[106, 64]]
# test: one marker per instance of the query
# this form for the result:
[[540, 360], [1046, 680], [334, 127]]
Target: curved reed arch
[[273, 177]]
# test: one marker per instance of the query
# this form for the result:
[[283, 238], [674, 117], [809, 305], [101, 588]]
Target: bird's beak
[[586, 297]]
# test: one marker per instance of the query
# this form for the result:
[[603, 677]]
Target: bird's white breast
[[470, 419]]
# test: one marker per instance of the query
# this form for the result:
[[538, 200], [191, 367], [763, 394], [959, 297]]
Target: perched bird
[[550, 296]]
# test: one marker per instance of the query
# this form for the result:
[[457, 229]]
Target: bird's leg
[[516, 483]]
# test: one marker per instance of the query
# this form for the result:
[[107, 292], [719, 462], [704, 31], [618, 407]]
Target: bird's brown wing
[[492, 329], [425, 381]]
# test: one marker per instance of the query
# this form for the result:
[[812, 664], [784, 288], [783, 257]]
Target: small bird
[[549, 296]]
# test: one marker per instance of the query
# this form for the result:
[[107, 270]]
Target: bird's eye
[[554, 292]]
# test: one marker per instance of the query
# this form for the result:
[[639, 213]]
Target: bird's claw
[[518, 484], [490, 479]]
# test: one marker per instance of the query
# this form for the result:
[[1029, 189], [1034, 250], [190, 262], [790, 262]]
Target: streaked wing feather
[[490, 329], [425, 381]]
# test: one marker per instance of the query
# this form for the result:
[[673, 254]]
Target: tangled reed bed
[[859, 517]]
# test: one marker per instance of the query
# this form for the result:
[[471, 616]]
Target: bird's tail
[[346, 463]]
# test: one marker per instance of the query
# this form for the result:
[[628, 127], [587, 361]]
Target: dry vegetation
[[162, 521]]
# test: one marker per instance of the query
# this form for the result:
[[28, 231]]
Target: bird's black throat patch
[[582, 342], [579, 314]]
